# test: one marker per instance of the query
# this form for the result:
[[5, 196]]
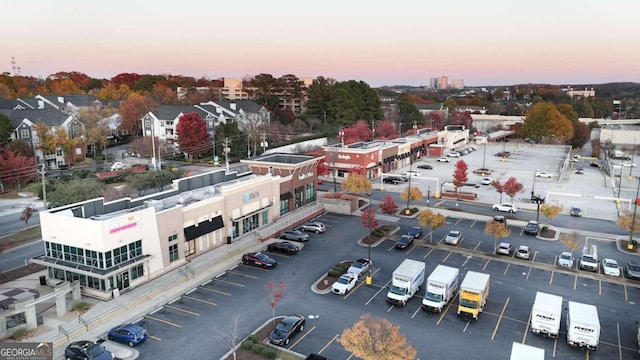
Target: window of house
[[161, 123], [75, 129], [169, 123], [59, 152], [24, 134], [137, 271], [147, 123], [173, 237], [173, 252]]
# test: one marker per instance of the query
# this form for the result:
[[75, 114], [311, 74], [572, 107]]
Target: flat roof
[[281, 158]]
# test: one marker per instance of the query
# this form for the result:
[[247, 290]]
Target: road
[[16, 257]]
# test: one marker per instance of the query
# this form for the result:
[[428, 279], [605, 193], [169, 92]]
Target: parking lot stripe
[[507, 269], [526, 329], [155, 338], [619, 344], [163, 321], [301, 337], [551, 279], [476, 247], [466, 260], [417, 310], [446, 257], [429, 253], [181, 309], [447, 308], [378, 292], [500, 318], [241, 274], [230, 282], [626, 297], [599, 287], [485, 264], [466, 326], [329, 343], [199, 300], [528, 273], [473, 223], [575, 282], [214, 291], [412, 247]]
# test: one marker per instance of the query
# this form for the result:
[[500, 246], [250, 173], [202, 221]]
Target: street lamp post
[[633, 152], [484, 154], [428, 195], [635, 209], [368, 281], [407, 211]]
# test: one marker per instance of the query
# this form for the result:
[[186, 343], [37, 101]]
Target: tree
[[460, 175], [497, 229], [386, 130], [388, 205], [544, 120], [132, 110], [27, 213], [376, 339], [368, 219], [360, 131], [626, 219], [512, 188], [571, 241], [432, 220], [274, 295], [193, 135], [499, 187], [46, 138], [16, 169], [5, 130], [550, 211], [75, 191], [152, 180], [357, 184], [411, 194], [95, 129]]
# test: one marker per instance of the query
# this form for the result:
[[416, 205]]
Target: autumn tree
[[16, 169], [432, 220], [386, 130], [460, 175], [152, 180], [369, 221], [376, 339], [550, 211], [21, 148], [360, 131], [275, 293], [5, 130], [388, 205], [411, 194], [357, 184], [512, 188], [132, 110], [499, 188], [497, 229], [570, 240], [46, 138], [95, 129], [544, 120], [74, 191], [193, 135]]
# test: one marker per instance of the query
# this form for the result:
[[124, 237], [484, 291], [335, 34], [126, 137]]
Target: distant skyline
[[493, 42]]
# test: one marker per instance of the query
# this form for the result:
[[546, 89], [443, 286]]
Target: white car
[[523, 252], [453, 154], [486, 181], [610, 267], [544, 174], [118, 166], [453, 237], [344, 284], [566, 260], [504, 248], [359, 267], [505, 208], [443, 159], [313, 226], [411, 173]]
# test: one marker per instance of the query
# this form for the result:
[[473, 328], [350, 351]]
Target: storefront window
[[284, 207], [190, 247], [265, 217], [235, 230], [137, 271], [309, 193], [173, 252], [299, 198]]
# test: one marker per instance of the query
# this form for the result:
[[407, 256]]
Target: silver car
[[294, 235], [313, 226]]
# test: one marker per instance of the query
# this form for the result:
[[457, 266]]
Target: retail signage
[[305, 176], [123, 223], [250, 196], [344, 156]]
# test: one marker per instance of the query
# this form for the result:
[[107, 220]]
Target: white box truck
[[442, 285], [546, 314], [583, 326], [474, 291], [406, 281], [526, 352]]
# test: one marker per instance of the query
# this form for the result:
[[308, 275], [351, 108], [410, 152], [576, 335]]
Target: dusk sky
[[491, 42]]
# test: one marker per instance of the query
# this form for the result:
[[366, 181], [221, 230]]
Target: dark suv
[[259, 259]]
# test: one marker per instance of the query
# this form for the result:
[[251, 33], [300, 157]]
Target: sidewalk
[[132, 305]]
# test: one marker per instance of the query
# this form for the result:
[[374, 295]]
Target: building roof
[[74, 99], [281, 158], [170, 112], [50, 117], [248, 106]]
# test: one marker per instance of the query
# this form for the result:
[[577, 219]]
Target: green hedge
[[253, 344], [339, 269]]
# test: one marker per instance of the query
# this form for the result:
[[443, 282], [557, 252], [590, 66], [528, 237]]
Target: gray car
[[294, 235], [633, 270]]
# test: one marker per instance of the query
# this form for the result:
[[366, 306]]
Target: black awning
[[286, 196], [203, 228]]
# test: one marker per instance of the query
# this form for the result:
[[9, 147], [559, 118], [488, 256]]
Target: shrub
[[19, 334], [247, 345], [81, 306], [378, 232]]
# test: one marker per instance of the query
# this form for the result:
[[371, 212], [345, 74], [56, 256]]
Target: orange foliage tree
[[376, 339]]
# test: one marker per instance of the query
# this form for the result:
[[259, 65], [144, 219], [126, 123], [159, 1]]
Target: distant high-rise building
[[457, 84], [442, 83]]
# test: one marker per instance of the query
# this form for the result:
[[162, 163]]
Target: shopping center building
[[124, 243]]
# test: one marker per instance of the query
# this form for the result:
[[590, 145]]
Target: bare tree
[[231, 333]]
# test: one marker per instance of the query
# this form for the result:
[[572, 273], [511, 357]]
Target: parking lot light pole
[[633, 219], [369, 280], [428, 195], [484, 154], [633, 152], [407, 211]]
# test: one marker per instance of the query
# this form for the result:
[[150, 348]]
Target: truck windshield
[[434, 297], [469, 303], [398, 290]]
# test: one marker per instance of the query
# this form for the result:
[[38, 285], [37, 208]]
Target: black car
[[404, 242], [532, 228], [283, 247], [259, 259], [426, 167], [393, 179], [575, 211], [286, 328], [84, 349], [415, 232]]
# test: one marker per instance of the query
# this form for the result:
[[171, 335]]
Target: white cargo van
[[589, 258]]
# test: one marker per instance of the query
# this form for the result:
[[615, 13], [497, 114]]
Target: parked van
[[589, 258]]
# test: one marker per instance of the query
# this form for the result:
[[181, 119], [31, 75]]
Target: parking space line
[[599, 287], [430, 251], [440, 203], [417, 310], [466, 260], [199, 300], [626, 297], [555, 345], [466, 326], [500, 318], [619, 344], [507, 269], [230, 282], [329, 343], [241, 274], [214, 291], [551, 279], [412, 247], [533, 259], [301, 337], [575, 282], [477, 246], [528, 273], [526, 329], [485, 264], [359, 285], [155, 338], [181, 309], [446, 257], [249, 267], [378, 292], [163, 321], [473, 223], [447, 308]]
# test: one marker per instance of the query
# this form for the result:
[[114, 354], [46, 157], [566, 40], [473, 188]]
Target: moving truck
[[442, 285], [546, 314], [526, 352], [473, 295], [406, 281], [583, 326]]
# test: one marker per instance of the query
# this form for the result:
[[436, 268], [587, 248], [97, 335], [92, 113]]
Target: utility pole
[[44, 184], [373, 130], [226, 152], [248, 146], [264, 142]]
